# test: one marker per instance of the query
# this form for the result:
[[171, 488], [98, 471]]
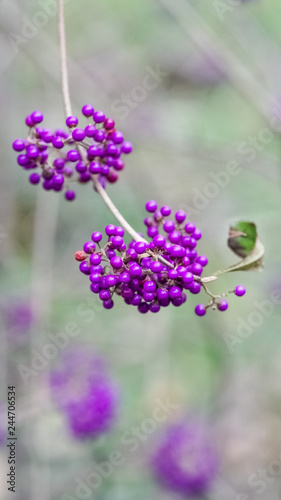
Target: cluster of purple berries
[[149, 275], [85, 393], [185, 461], [58, 158]]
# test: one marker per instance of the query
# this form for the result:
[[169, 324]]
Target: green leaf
[[243, 241], [242, 238]]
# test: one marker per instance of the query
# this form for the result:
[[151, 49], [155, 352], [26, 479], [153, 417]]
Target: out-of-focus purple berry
[[34, 178], [70, 195]]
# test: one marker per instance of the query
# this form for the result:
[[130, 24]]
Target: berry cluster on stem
[[149, 274], [86, 154]]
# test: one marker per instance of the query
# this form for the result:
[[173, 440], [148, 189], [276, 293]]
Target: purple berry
[[149, 286], [105, 170], [99, 135], [187, 278], [148, 297], [96, 236], [109, 124], [174, 237], [89, 247], [34, 178], [110, 280], [222, 305], [116, 262], [189, 228], [240, 291], [117, 241], [180, 216], [200, 310], [119, 231], [196, 269], [172, 274], [105, 295], [151, 206], [29, 122], [169, 226], [202, 259], [22, 160], [95, 167], [195, 287], [87, 110], [70, 195], [126, 147], [177, 251], [125, 277], [118, 164], [111, 149], [78, 134], [99, 117], [174, 292], [32, 152], [132, 254], [59, 163], [58, 179], [152, 231], [72, 155], [71, 121], [165, 211], [18, 145], [156, 267], [94, 287], [117, 137], [57, 142], [108, 304], [90, 130], [110, 230], [95, 277], [143, 308], [95, 259], [136, 300], [37, 117], [159, 240], [135, 270], [197, 235], [162, 294], [80, 167], [84, 267], [140, 247]]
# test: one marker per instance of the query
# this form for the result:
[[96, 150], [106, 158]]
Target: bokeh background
[[218, 96]]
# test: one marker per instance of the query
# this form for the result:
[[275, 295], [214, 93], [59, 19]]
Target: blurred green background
[[217, 96]]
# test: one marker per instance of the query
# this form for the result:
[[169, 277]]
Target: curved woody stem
[[97, 185], [67, 108]]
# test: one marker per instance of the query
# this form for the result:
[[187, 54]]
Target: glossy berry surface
[[240, 291]]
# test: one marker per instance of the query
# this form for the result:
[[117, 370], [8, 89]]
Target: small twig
[[63, 61], [103, 194]]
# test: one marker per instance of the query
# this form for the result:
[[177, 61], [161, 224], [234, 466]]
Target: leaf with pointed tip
[[243, 241]]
